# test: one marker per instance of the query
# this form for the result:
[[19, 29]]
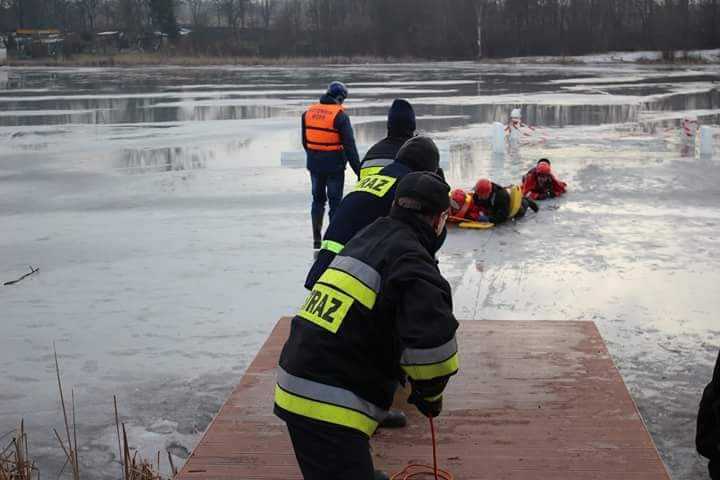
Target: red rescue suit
[[541, 187], [468, 210]]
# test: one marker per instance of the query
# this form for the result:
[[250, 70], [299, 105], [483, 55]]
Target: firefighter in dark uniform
[[329, 142], [400, 129], [371, 200], [500, 204], [381, 311], [707, 437]]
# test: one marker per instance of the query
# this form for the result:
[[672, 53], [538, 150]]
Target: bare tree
[[198, 12], [266, 9], [90, 10]]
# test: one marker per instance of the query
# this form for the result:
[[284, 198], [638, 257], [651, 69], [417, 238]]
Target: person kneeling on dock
[[539, 183], [381, 311], [501, 203]]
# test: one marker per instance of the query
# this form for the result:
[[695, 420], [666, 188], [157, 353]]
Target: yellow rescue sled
[[476, 225]]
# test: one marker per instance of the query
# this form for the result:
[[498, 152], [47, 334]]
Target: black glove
[[429, 408]]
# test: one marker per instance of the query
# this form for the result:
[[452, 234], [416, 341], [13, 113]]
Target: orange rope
[[415, 470]]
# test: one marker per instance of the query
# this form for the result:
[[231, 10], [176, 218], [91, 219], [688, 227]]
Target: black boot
[[394, 419], [380, 475], [317, 221], [532, 204]]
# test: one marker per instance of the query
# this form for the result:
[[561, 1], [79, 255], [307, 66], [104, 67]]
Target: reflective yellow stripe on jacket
[[331, 246], [326, 403], [371, 167], [430, 363], [355, 278]]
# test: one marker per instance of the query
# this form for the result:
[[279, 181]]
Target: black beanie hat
[[423, 192], [401, 119], [419, 154], [543, 160]]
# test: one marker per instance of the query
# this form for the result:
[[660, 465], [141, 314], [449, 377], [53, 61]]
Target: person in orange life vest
[[539, 183], [463, 206], [329, 142], [501, 203]]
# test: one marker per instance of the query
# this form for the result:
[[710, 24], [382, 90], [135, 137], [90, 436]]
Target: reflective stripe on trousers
[[326, 403]]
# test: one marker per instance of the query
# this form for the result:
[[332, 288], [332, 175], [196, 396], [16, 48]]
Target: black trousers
[[330, 452]]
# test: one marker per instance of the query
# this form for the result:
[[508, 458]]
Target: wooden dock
[[533, 400]]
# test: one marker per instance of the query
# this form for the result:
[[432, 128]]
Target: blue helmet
[[338, 91]]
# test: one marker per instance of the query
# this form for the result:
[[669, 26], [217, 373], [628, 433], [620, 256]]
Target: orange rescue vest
[[465, 207], [320, 132]]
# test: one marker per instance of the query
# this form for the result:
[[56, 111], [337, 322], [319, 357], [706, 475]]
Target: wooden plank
[[534, 400]]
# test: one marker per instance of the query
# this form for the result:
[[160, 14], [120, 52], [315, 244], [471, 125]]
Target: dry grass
[[156, 59], [15, 463], [16, 466], [134, 468]]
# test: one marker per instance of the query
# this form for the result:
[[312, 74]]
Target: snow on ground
[[170, 240]]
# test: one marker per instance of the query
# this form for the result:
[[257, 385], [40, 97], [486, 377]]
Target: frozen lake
[[170, 239]]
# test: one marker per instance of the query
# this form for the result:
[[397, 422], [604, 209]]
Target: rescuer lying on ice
[[492, 203], [539, 183], [380, 312], [463, 207]]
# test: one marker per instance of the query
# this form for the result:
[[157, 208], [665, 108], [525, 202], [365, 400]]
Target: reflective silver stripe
[[377, 162], [360, 270], [328, 394], [426, 356]]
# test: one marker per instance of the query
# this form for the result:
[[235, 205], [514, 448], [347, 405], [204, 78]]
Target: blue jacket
[[334, 162]]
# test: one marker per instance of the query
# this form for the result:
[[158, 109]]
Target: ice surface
[[170, 240], [709, 55]]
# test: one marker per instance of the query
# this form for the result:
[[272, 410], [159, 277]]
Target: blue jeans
[[326, 187]]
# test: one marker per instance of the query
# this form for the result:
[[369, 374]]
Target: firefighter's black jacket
[[380, 311], [381, 155], [707, 437], [497, 205], [357, 210]]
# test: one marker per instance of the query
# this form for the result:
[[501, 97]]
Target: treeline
[[399, 28], [573, 27]]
